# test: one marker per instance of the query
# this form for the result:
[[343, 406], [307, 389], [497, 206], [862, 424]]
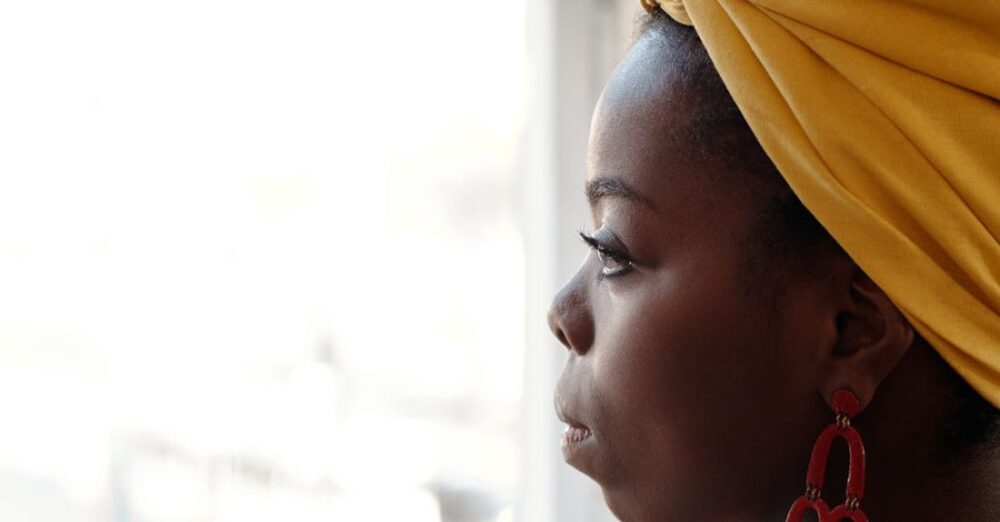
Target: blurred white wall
[[290, 260]]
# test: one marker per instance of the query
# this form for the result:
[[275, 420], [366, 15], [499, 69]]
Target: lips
[[566, 418], [576, 439], [575, 434]]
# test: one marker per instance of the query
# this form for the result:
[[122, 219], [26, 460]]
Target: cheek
[[677, 364]]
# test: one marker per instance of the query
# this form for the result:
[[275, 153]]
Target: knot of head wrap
[[674, 8], [884, 118]]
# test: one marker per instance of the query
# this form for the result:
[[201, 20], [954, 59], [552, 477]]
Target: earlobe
[[872, 338]]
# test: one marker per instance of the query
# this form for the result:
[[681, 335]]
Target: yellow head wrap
[[884, 118]]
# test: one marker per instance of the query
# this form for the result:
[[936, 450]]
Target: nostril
[[570, 319], [562, 339], [556, 329]]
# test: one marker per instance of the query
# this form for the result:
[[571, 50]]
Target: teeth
[[574, 434]]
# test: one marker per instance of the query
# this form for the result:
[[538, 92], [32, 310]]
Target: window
[[281, 260]]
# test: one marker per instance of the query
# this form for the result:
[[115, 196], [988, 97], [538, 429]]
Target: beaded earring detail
[[846, 406]]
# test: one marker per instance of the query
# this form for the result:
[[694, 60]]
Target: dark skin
[[698, 400]]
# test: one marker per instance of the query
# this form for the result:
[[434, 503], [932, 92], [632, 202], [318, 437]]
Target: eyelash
[[604, 253]]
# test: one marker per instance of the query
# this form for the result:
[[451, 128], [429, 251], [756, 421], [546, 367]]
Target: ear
[[872, 338]]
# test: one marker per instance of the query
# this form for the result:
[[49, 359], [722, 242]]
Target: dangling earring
[[846, 405]]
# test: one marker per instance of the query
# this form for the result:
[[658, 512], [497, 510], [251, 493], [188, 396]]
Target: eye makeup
[[614, 258]]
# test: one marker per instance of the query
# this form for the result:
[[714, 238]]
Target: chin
[[618, 508], [625, 506]]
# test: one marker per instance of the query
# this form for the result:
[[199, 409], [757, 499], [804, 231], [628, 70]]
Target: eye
[[614, 262]]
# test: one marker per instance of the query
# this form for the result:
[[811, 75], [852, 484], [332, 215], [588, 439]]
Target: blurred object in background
[[269, 261], [259, 260]]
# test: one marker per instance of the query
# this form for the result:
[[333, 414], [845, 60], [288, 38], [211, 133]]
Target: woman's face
[[680, 376]]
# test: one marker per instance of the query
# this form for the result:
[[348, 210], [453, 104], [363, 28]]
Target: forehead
[[641, 131]]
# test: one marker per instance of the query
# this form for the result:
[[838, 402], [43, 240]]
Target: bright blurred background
[[289, 261]]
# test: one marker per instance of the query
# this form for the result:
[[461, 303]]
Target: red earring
[[846, 405]]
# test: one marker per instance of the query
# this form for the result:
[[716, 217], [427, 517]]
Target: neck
[[914, 469], [964, 489], [913, 472]]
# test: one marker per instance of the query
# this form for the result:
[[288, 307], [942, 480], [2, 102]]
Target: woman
[[719, 327]]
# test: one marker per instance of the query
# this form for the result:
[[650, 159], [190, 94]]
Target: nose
[[570, 317]]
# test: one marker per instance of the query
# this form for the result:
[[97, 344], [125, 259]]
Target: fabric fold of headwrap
[[884, 117], [674, 8]]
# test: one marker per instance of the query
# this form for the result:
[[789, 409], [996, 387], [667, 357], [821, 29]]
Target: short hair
[[784, 230]]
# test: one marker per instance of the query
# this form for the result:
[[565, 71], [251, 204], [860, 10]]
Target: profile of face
[[680, 376]]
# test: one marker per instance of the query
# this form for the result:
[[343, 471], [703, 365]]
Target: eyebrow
[[603, 188]]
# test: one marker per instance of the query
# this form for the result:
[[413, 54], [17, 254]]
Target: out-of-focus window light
[[259, 260]]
